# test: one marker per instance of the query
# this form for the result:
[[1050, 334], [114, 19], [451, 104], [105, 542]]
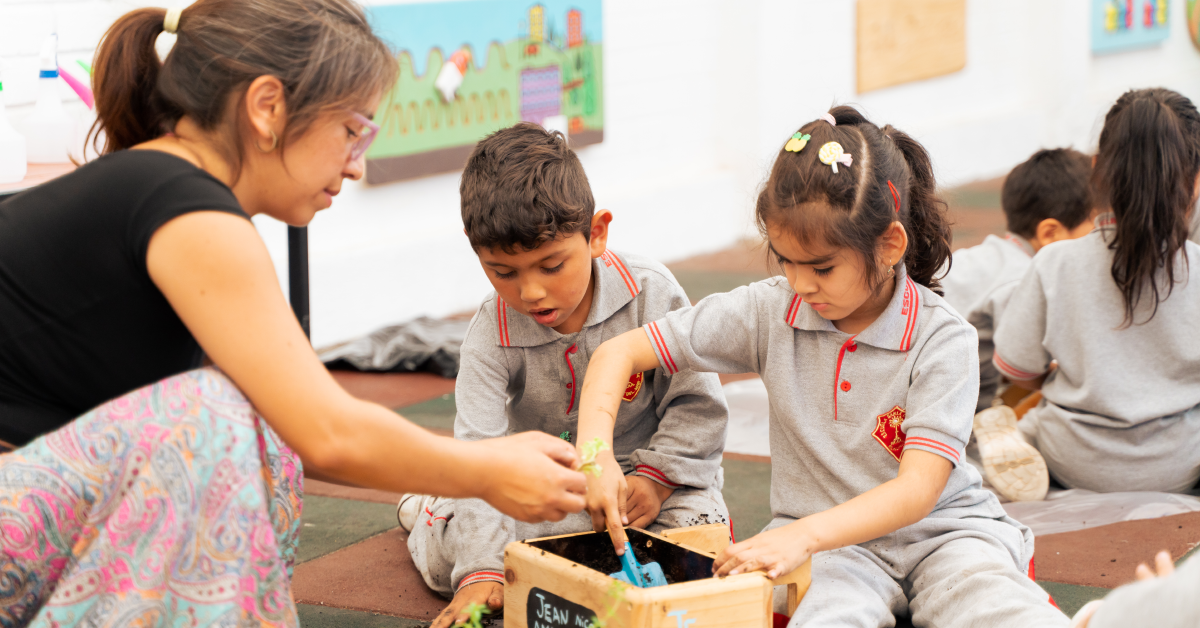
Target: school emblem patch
[[888, 431], [633, 387]]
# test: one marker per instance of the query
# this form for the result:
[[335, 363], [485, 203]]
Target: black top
[[80, 320]]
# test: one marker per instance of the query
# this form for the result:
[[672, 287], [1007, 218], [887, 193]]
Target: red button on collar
[[845, 386], [852, 348]]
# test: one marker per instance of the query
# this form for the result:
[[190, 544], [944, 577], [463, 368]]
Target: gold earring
[[274, 143], [891, 271]]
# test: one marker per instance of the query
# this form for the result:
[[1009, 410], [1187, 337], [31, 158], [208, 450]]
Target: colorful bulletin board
[[1193, 17], [528, 60], [1127, 24], [900, 41]]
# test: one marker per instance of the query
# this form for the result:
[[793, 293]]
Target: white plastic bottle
[[49, 131], [12, 147]]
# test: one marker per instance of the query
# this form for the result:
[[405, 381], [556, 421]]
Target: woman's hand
[[606, 500], [777, 552], [531, 476]]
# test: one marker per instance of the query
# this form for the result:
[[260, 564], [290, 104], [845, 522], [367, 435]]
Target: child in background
[[1117, 310], [1045, 199], [529, 214], [872, 379]]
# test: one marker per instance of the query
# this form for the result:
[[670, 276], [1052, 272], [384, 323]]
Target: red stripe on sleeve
[[656, 474], [668, 361], [1014, 373], [933, 444], [481, 576]]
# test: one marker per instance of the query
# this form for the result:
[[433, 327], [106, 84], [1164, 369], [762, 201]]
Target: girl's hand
[[606, 500], [532, 477], [777, 552]]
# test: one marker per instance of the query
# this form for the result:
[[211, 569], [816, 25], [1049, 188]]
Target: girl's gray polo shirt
[[1068, 308], [843, 408]]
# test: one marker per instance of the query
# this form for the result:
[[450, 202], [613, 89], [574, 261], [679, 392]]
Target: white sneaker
[[1014, 467], [410, 508]]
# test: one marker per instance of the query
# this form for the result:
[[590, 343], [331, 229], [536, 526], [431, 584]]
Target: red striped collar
[[1020, 243], [895, 329], [1106, 220], [615, 285]]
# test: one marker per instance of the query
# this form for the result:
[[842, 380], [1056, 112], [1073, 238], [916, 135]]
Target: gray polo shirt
[[843, 408], [518, 375], [1069, 309], [980, 281]]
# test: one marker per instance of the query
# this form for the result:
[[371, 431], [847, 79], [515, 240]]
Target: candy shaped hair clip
[[797, 143], [832, 154]]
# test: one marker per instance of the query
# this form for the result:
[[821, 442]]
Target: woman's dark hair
[[323, 51], [1146, 173], [854, 207]]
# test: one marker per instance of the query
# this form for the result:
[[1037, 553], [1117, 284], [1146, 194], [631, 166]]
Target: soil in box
[[595, 550]]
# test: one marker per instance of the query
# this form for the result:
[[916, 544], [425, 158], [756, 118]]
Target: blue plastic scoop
[[643, 576]]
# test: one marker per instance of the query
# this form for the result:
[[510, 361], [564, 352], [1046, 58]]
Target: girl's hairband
[[171, 21], [828, 117], [895, 195]]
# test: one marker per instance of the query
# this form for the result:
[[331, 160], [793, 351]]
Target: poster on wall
[[1119, 25], [471, 67], [900, 41], [1193, 18]]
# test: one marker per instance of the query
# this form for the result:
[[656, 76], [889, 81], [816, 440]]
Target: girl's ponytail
[[1146, 172], [928, 223], [125, 75]]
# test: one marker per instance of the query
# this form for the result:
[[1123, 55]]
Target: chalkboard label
[[546, 610]]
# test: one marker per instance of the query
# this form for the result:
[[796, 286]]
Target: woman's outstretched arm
[[214, 270]]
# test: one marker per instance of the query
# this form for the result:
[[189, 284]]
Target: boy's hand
[[645, 500], [487, 592], [532, 477], [777, 552], [606, 500]]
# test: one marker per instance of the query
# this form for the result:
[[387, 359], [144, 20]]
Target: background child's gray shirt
[[1114, 382], [518, 375], [843, 408], [980, 281]]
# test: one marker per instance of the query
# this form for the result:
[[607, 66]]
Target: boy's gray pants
[[468, 536], [942, 572]]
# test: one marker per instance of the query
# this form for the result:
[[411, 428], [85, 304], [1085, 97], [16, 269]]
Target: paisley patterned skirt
[[175, 505]]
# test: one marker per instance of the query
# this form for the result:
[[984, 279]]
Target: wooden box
[[563, 582]]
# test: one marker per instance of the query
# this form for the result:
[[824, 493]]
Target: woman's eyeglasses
[[367, 135]]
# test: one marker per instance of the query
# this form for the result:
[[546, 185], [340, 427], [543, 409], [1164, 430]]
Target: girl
[[179, 503], [872, 381], [1117, 310]]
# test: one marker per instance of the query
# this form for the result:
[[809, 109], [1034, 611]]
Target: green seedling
[[475, 613], [616, 595], [591, 449]]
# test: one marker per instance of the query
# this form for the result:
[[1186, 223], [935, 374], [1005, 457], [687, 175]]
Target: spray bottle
[[12, 146], [49, 130]]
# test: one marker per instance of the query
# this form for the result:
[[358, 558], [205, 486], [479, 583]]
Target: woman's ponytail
[[928, 222], [1146, 173], [126, 70]]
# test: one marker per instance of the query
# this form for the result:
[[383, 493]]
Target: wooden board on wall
[[900, 41]]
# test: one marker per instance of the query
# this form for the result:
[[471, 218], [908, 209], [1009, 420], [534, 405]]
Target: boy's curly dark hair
[[523, 186]]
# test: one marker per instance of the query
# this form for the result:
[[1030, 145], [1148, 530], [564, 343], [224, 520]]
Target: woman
[[179, 502]]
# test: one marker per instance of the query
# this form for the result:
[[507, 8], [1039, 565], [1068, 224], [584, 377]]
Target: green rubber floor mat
[[437, 413], [312, 616], [747, 493], [329, 524], [1071, 597]]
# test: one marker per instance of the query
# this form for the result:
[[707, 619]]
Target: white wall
[[683, 181]]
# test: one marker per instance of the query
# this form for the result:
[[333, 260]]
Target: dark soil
[[595, 551]]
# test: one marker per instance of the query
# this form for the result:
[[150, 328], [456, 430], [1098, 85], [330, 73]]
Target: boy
[[529, 214], [1045, 199]]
